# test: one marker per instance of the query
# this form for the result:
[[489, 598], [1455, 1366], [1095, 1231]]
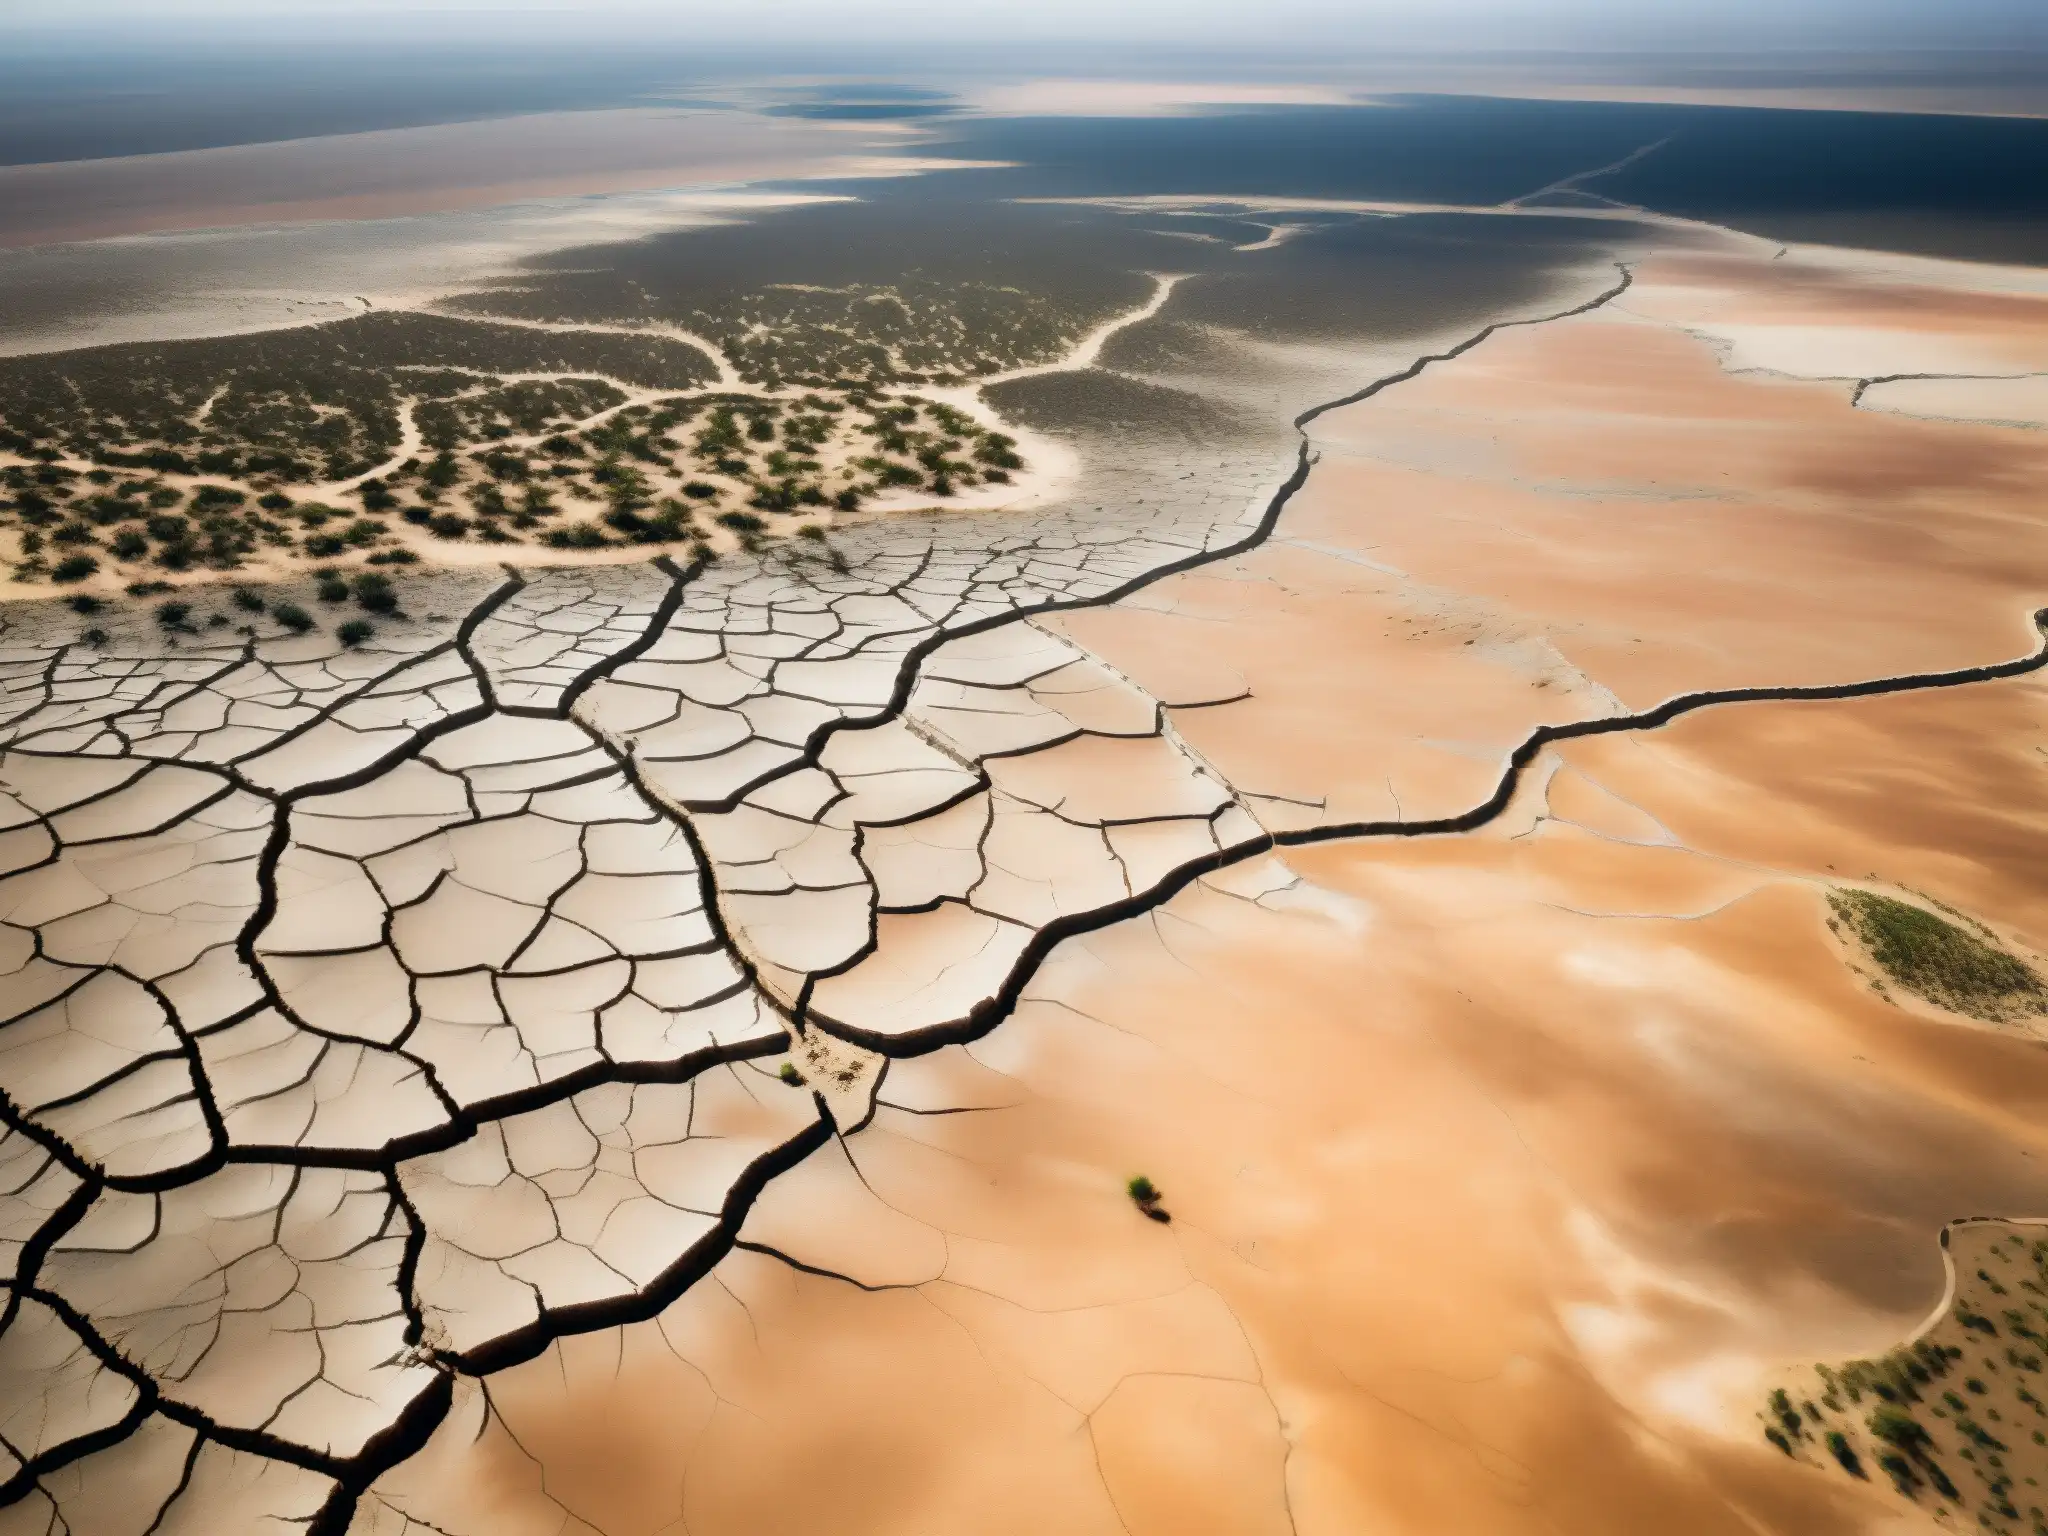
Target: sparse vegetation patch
[[1955, 1420], [1949, 964]]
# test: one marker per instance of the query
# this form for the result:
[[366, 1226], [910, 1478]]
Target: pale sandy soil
[[1669, 525], [395, 172], [1507, 1171], [2021, 402]]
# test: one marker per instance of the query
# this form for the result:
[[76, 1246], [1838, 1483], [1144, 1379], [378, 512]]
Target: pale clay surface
[[378, 1019]]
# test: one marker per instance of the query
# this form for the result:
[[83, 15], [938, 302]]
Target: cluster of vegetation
[[1944, 1407], [1955, 965], [908, 332], [135, 462], [371, 591], [72, 524], [676, 470], [317, 403], [523, 407], [888, 294]]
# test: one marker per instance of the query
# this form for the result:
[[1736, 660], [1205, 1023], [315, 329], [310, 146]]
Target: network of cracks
[[379, 1016]]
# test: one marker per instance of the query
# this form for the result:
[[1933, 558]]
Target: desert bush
[[376, 593], [1941, 961]]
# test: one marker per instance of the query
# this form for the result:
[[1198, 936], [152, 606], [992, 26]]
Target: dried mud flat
[[655, 1050]]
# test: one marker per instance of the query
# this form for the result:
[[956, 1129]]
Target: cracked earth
[[634, 1036]]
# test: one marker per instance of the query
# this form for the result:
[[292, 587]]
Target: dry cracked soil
[[652, 1048]]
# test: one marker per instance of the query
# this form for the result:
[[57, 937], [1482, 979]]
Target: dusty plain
[[1507, 1171], [732, 1008]]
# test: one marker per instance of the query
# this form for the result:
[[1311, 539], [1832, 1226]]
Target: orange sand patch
[[1670, 526]]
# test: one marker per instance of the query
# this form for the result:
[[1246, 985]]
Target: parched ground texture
[[658, 1048]]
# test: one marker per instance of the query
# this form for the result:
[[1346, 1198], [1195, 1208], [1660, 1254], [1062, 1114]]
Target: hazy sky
[[1846, 24]]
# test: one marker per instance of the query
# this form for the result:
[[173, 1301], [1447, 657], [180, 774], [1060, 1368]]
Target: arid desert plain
[[918, 840]]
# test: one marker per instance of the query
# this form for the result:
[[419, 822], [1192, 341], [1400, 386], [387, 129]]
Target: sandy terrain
[[1505, 1172], [394, 172], [1500, 1170]]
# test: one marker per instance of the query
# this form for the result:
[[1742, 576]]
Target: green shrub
[[74, 568], [354, 632], [173, 614], [1899, 1428], [790, 1075], [84, 602], [292, 617], [1142, 1190], [577, 536], [1941, 961], [376, 593], [248, 600]]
